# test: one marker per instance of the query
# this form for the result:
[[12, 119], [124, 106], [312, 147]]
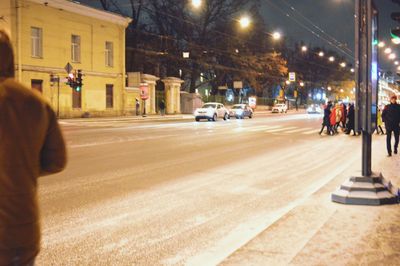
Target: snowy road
[[183, 192]]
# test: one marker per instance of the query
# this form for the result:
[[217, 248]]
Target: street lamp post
[[362, 190]]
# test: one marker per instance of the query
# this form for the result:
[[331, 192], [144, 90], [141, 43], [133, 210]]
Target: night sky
[[335, 17]]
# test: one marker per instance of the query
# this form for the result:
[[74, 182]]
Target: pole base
[[366, 190]]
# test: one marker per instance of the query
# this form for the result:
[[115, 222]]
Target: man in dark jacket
[[391, 117], [31, 145], [326, 122]]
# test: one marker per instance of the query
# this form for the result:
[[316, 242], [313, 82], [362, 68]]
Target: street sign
[[68, 67], [222, 88], [253, 102], [144, 91], [292, 76], [237, 84]]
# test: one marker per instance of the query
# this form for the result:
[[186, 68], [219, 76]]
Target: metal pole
[[144, 108], [58, 96], [366, 153]]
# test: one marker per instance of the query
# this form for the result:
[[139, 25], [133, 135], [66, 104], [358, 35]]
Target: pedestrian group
[[341, 116]]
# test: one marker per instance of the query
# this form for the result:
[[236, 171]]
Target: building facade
[[51, 38]]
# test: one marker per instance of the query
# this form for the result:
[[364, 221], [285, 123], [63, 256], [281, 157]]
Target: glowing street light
[[304, 48], [321, 54], [381, 44], [329, 88], [341, 90], [196, 3], [244, 22], [276, 35], [398, 68], [185, 54], [331, 59], [343, 64], [396, 40], [388, 50], [392, 56], [396, 62], [352, 70], [301, 84]]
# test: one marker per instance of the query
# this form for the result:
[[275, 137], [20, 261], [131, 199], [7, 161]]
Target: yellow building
[[48, 35]]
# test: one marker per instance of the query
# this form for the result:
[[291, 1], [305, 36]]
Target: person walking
[[350, 120], [31, 145], [344, 116], [379, 123], [137, 106], [161, 106], [333, 120], [326, 120], [391, 118], [338, 116]]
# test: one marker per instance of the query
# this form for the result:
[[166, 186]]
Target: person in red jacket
[[31, 145]]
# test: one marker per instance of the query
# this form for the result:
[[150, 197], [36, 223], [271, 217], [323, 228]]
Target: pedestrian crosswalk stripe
[[264, 128], [279, 129], [314, 131], [239, 129], [298, 130]]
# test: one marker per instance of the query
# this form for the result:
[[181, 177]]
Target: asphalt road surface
[[180, 193]]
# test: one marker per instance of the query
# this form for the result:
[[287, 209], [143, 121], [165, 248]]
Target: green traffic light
[[78, 89]]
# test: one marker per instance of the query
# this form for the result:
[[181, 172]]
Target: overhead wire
[[316, 26], [196, 44], [308, 29]]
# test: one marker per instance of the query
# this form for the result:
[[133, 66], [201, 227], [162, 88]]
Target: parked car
[[241, 111], [314, 109], [279, 108], [211, 111]]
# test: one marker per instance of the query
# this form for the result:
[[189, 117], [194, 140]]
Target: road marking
[[314, 131], [279, 129], [298, 130], [259, 128]]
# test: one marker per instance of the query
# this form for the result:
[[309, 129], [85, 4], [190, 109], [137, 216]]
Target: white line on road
[[120, 140], [260, 128], [298, 130], [314, 131], [279, 129]]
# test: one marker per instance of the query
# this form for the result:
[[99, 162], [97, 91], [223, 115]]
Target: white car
[[279, 108], [314, 109], [241, 111], [211, 111]]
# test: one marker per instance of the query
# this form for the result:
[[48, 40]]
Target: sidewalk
[[320, 232]]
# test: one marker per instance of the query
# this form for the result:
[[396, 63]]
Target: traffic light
[[71, 80], [395, 33], [79, 80]]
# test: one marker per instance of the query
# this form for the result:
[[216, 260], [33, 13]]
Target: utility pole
[[369, 188]]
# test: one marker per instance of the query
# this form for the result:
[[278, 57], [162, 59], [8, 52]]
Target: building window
[[109, 54], [76, 48], [109, 96], [37, 84], [36, 42]]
